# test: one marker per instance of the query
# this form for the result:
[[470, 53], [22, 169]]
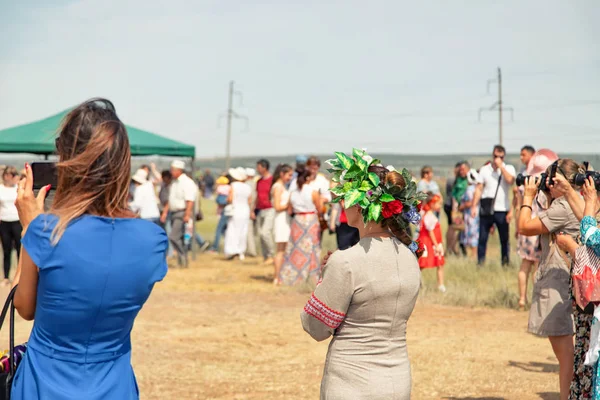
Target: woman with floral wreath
[[367, 293]]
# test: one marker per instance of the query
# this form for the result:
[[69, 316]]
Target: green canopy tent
[[38, 138]]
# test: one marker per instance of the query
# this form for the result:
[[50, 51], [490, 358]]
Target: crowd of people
[[286, 209], [103, 247]]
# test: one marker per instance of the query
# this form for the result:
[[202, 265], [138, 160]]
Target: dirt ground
[[219, 330]]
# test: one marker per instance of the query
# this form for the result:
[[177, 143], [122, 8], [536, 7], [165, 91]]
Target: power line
[[231, 114], [497, 105]]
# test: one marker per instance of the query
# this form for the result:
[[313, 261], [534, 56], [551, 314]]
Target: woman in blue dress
[[87, 266]]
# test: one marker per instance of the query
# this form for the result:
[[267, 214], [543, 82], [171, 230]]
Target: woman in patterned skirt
[[301, 263]]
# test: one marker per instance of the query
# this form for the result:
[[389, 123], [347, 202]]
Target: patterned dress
[[303, 252], [529, 247], [470, 236], [586, 379]]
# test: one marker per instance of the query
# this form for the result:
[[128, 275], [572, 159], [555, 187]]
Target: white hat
[[239, 174], [178, 164], [140, 176], [251, 172], [472, 177]]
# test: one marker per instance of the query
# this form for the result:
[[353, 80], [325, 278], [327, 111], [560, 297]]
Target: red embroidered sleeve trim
[[326, 315]]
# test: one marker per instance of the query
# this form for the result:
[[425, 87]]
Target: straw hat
[[140, 176], [239, 174], [540, 161]]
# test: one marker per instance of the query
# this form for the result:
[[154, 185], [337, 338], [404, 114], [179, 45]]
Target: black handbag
[[486, 206], [6, 377]]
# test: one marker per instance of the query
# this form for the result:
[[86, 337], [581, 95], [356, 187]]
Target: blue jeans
[[485, 224], [221, 226]]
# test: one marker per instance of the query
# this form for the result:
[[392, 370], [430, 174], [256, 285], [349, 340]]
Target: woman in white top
[[240, 197], [280, 199], [145, 202], [10, 227], [301, 263]]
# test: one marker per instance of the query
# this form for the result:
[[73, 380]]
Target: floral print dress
[[470, 236], [586, 379]]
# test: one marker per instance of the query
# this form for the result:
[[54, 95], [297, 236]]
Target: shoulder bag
[[9, 362], [486, 206]]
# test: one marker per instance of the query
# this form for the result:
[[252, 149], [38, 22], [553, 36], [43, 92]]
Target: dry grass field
[[220, 330]]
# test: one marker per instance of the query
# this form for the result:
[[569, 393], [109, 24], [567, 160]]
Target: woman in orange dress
[[430, 238]]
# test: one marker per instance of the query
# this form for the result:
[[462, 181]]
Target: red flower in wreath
[[419, 205], [391, 208]]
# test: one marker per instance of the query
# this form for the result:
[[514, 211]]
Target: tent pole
[[46, 157], [192, 244]]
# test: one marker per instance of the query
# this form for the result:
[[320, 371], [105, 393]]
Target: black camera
[[541, 180], [580, 179]]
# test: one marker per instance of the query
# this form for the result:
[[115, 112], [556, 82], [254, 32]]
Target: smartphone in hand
[[44, 174]]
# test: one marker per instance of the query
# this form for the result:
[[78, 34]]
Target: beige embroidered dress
[[364, 299]]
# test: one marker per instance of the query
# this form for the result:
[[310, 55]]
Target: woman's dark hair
[[302, 178], [166, 175], [279, 170], [94, 165], [394, 178]]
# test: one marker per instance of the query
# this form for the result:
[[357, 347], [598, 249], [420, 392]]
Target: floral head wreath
[[378, 200]]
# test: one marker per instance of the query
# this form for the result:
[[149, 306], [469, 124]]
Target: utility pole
[[231, 114], [499, 105]]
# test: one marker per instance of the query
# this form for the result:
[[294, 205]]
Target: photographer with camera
[[87, 267], [585, 209], [491, 198], [551, 309]]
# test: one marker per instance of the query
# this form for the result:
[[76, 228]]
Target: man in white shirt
[[182, 199], [492, 199], [145, 202]]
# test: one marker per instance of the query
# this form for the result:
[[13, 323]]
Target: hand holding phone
[[44, 174]]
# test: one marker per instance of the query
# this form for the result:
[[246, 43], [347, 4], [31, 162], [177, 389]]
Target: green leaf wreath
[[378, 200]]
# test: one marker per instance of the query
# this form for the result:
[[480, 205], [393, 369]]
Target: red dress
[[429, 223]]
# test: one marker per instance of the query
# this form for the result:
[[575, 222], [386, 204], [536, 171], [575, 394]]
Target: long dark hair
[[94, 165], [303, 175], [280, 170]]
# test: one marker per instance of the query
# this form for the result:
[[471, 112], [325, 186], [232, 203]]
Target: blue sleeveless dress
[[92, 285]]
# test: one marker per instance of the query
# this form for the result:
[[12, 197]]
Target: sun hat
[[472, 177], [140, 176], [178, 164], [540, 161], [222, 180], [250, 172], [239, 174]]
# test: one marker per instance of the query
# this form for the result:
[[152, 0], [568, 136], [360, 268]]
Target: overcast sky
[[317, 76]]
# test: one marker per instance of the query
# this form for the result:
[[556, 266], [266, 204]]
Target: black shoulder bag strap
[[496, 194], [11, 338]]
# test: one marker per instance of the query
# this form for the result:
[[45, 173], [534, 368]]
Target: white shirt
[[320, 184], [8, 210], [145, 201], [183, 189], [301, 200], [489, 179]]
